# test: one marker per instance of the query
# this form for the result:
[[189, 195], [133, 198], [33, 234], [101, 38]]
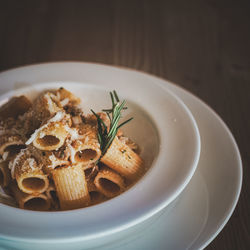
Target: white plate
[[196, 217]]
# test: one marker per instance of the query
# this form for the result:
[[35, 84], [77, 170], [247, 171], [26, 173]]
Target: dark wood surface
[[203, 46]]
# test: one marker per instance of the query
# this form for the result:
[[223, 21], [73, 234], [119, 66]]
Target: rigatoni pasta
[[28, 173], [38, 202], [52, 134], [53, 156], [109, 182], [14, 107], [71, 187], [123, 159], [87, 147], [95, 195], [9, 141]]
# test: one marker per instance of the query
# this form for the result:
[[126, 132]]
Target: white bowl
[[169, 138]]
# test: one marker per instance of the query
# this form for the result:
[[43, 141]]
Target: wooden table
[[203, 46]]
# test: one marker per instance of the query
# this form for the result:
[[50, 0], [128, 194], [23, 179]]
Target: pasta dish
[[53, 156]]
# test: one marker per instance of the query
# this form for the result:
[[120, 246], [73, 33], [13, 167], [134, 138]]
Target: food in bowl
[[56, 157]]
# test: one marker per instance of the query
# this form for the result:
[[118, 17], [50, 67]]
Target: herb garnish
[[105, 135]]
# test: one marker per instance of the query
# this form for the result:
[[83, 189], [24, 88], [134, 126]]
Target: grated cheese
[[5, 155], [74, 135], [64, 102], [72, 153], [49, 102], [32, 163]]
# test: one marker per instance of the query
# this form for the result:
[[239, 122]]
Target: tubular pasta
[[95, 195], [130, 143], [87, 148], [108, 182], [28, 173], [123, 159], [8, 140], [71, 187], [66, 98], [51, 137], [39, 202], [14, 107], [52, 134], [43, 108]]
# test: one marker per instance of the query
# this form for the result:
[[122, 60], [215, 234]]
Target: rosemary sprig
[[105, 135]]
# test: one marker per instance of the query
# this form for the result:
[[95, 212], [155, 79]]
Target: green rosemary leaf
[[125, 122], [109, 116], [115, 124], [112, 99], [99, 120], [116, 96], [100, 140], [119, 109], [107, 110]]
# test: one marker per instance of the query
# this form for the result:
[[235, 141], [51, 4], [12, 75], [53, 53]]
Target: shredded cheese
[[32, 163], [72, 153], [64, 102], [50, 103], [74, 135], [5, 155]]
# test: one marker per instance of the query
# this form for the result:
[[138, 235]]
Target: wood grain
[[203, 46]]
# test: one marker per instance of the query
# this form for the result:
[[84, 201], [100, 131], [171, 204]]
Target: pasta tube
[[87, 148], [130, 143], [66, 97], [52, 134], [10, 142], [51, 137], [14, 107], [4, 174], [95, 195], [108, 182], [39, 202], [43, 108], [28, 173], [71, 187], [123, 159]]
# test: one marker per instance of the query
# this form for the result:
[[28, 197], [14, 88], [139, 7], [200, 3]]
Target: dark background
[[203, 46]]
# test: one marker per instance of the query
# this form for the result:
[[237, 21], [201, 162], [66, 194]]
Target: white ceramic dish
[[172, 149], [195, 219]]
